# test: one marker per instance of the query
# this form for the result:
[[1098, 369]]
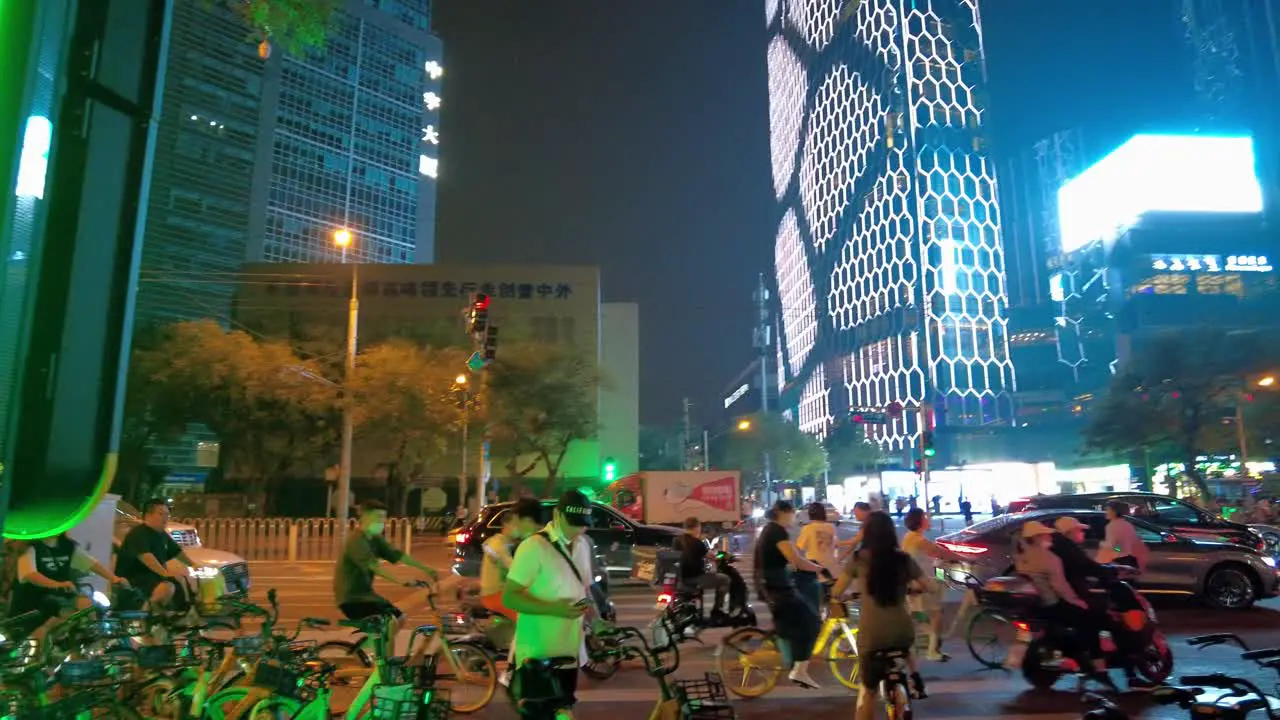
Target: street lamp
[[744, 425], [342, 238], [1241, 436], [461, 385]]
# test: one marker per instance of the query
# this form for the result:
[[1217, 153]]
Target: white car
[[234, 569]]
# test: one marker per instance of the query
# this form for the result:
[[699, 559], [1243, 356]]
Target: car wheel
[[1230, 587]]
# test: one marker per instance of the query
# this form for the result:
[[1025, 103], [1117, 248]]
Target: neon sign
[[1210, 263], [428, 162]]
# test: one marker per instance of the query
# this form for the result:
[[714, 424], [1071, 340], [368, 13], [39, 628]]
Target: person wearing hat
[[1059, 601], [548, 587]]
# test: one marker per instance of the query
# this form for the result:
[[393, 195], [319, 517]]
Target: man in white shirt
[[547, 587]]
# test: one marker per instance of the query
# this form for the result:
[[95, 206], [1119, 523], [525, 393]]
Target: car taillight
[[463, 536], [664, 599], [963, 548], [1021, 627]]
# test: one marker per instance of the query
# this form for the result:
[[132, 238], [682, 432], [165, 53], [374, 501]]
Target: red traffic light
[[857, 418], [481, 301], [919, 466]]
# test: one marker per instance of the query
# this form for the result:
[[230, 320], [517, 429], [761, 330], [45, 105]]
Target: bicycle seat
[[427, 629], [316, 622], [1174, 695], [565, 662]]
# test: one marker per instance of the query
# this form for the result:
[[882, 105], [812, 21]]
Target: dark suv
[[613, 535], [1176, 515]]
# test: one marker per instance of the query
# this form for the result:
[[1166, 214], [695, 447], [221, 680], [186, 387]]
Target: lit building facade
[[202, 189], [353, 140], [890, 268]]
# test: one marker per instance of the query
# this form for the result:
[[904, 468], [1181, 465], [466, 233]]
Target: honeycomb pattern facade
[[787, 81], [890, 215], [799, 312]]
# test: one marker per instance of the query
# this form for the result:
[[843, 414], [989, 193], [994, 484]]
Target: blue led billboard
[[1158, 173]]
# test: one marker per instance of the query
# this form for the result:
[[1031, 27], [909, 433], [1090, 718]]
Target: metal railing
[[287, 539]]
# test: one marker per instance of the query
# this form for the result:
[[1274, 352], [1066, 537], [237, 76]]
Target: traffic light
[[490, 350], [919, 467], [926, 445], [479, 313], [610, 470]]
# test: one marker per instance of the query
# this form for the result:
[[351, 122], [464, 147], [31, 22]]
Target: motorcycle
[[683, 607], [1045, 650]]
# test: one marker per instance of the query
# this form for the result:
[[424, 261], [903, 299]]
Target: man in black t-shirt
[[794, 620], [693, 565], [146, 552]]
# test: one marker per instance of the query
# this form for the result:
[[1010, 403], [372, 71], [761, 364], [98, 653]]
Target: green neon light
[[43, 521]]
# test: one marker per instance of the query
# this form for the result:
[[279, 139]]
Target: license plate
[[1024, 637], [643, 571]]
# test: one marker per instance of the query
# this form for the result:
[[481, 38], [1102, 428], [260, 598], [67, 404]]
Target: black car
[[613, 534], [1173, 514]]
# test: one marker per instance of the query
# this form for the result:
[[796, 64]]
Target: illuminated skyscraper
[[355, 140], [889, 258]]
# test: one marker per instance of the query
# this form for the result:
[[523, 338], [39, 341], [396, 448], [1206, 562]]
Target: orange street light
[[342, 237], [744, 424]]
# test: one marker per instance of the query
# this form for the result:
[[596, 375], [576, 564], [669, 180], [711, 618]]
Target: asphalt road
[[959, 689]]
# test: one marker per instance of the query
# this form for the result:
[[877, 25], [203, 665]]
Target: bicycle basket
[[283, 681], [295, 651], [247, 646], [423, 676], [17, 654], [405, 702], [705, 699], [85, 673]]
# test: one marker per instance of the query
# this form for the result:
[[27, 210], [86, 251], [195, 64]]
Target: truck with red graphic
[[668, 497]]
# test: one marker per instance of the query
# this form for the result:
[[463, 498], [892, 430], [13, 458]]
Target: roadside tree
[[540, 400], [793, 454]]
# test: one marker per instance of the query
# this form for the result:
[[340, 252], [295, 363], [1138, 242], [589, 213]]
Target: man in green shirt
[[361, 559]]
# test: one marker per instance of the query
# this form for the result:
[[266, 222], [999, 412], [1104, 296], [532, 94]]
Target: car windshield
[[991, 525]]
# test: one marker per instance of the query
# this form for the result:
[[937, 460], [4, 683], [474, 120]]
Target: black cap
[[575, 507]]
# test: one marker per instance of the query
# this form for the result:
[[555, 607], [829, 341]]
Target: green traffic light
[[610, 470], [930, 452]]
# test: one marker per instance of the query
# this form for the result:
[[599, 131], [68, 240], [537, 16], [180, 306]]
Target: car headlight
[[202, 572], [1270, 561]]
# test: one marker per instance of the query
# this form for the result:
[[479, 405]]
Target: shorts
[[361, 609], [561, 683], [493, 603]]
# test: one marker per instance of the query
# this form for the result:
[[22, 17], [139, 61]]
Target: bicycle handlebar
[[1204, 641]]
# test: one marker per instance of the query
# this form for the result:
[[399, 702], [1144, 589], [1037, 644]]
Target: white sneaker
[[800, 676]]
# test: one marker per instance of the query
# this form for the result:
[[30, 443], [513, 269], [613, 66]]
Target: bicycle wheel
[[984, 636], [748, 656], [469, 675], [159, 699], [352, 667], [842, 659], [897, 702], [274, 708]]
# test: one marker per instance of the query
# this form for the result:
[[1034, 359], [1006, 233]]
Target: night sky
[[634, 136]]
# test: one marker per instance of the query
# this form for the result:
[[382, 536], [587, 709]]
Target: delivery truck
[[668, 497]]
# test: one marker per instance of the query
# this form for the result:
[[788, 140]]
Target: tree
[[793, 454], [1177, 396], [540, 400], [153, 414], [849, 451], [270, 409], [660, 448], [296, 25], [407, 408]]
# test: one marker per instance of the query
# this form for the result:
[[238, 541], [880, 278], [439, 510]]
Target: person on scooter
[[1059, 601], [1080, 569], [693, 568]]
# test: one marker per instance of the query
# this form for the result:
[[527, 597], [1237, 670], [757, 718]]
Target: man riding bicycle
[[361, 559], [145, 554], [46, 575]]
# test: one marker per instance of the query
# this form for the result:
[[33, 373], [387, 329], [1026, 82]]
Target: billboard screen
[[1160, 173]]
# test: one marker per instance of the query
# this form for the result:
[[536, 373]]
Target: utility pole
[[686, 436], [926, 445], [343, 239], [762, 339]]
